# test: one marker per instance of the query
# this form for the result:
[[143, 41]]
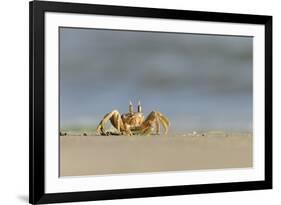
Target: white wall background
[[14, 100]]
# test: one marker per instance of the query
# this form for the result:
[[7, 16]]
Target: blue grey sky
[[200, 82]]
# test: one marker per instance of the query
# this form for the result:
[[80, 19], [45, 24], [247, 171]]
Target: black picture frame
[[37, 193]]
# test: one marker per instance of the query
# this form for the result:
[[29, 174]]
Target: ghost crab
[[133, 123]]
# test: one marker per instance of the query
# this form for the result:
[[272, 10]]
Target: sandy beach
[[99, 155]]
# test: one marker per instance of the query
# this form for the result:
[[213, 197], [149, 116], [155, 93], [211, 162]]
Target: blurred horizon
[[200, 82]]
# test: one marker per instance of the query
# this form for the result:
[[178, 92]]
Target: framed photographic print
[[140, 102]]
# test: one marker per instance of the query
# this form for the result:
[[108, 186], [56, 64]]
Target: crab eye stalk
[[131, 109], [139, 107]]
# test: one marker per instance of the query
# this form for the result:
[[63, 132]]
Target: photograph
[[131, 102], [135, 101]]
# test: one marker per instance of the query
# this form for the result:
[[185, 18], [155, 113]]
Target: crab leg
[[115, 119], [147, 130], [157, 126], [163, 120], [155, 118]]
